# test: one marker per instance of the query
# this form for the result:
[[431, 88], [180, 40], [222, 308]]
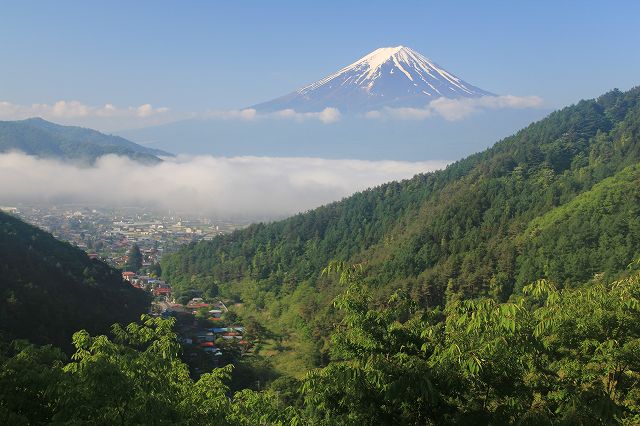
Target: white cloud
[[327, 115], [246, 186], [64, 109], [74, 109], [109, 117], [247, 114], [108, 110], [105, 117], [457, 109], [147, 110]]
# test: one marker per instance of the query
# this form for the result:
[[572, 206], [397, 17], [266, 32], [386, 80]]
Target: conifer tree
[[134, 259]]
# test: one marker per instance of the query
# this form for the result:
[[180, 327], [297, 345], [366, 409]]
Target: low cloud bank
[[457, 109], [251, 187], [109, 117], [104, 117]]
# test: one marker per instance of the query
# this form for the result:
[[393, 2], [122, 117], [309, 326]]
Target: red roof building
[[128, 275], [197, 306], [162, 291]]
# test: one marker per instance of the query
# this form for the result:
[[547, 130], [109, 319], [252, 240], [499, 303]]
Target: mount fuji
[[393, 77], [398, 78]]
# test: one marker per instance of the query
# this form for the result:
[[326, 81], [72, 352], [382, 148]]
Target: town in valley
[[209, 332]]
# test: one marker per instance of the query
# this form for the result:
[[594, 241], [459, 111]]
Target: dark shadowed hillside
[[50, 289]]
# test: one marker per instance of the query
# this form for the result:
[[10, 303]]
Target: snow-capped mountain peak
[[389, 76]]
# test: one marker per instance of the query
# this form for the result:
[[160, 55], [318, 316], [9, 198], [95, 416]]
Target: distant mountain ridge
[[387, 77], [41, 138]]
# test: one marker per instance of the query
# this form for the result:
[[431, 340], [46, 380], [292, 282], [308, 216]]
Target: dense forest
[[35, 136], [50, 289], [557, 200], [549, 356]]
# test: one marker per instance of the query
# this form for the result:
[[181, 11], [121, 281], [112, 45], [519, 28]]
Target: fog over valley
[[251, 187]]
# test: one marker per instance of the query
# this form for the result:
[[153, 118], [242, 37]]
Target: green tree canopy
[[134, 259]]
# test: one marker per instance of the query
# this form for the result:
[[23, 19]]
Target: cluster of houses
[[214, 310], [145, 282], [205, 338]]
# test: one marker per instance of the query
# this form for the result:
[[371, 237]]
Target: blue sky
[[196, 55]]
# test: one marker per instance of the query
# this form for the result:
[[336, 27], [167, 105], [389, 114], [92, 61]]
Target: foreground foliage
[[549, 356]]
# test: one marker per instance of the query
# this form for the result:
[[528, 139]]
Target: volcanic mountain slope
[[387, 77]]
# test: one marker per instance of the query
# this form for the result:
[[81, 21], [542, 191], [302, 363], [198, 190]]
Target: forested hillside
[[41, 138], [548, 357], [484, 226], [50, 289], [596, 232]]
